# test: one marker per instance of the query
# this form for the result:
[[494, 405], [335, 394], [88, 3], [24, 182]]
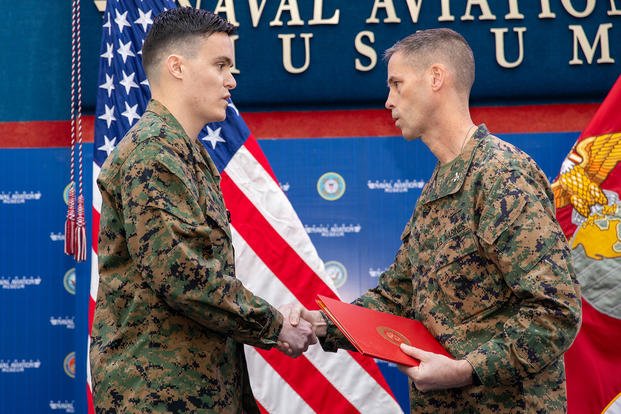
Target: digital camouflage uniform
[[171, 317], [486, 268]]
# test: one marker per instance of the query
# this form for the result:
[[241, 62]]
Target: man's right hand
[[293, 340], [295, 312]]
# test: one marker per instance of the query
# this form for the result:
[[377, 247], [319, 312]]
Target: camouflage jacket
[[486, 268], [171, 317]]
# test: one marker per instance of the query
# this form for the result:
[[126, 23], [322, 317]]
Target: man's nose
[[230, 82]]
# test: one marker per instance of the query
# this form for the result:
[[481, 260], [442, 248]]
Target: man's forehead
[[218, 45], [396, 64], [216, 39], [398, 60]]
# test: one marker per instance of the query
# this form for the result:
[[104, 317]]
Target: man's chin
[[406, 135], [409, 137], [217, 118]]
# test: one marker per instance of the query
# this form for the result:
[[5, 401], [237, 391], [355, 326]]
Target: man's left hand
[[436, 372]]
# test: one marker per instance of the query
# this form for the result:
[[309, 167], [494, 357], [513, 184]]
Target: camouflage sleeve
[[182, 256], [520, 234], [392, 294]]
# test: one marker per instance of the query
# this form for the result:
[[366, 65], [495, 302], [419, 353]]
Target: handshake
[[300, 328]]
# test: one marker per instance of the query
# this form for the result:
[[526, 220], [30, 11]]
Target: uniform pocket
[[470, 283]]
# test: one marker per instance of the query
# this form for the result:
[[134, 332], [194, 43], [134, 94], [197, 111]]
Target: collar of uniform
[[449, 178], [198, 151], [160, 110], [206, 158]]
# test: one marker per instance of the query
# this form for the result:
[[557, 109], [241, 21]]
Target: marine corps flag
[[587, 196]]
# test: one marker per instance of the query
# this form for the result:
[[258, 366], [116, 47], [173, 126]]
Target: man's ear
[[174, 65], [438, 76]]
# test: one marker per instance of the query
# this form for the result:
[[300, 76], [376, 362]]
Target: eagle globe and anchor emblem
[[596, 243], [392, 336]]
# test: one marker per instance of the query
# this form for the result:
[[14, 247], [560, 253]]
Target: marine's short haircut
[[176, 30], [442, 45]]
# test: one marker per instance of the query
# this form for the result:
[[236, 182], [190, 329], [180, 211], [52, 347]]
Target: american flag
[[274, 255]]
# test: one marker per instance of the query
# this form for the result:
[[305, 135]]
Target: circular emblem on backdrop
[[392, 336], [69, 364], [69, 281], [66, 193], [337, 272], [331, 186]]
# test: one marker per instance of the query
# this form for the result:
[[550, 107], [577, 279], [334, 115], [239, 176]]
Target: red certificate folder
[[379, 334]]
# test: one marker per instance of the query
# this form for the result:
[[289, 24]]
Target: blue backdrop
[[42, 317]]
